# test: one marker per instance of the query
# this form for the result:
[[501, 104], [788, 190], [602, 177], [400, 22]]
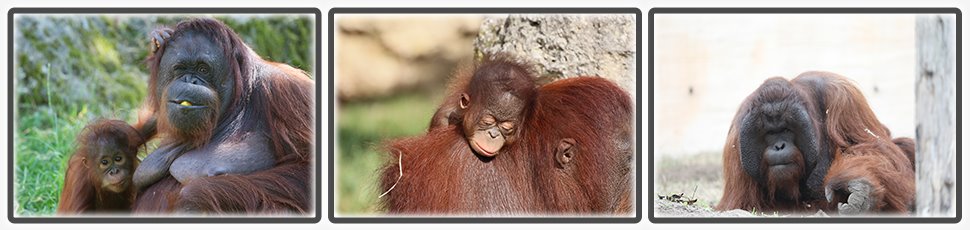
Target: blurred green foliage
[[98, 61], [362, 129], [71, 70]]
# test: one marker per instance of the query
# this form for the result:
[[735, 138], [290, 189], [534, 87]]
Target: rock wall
[[379, 55], [567, 45]]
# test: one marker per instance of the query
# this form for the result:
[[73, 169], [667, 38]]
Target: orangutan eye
[[203, 69], [118, 159], [104, 162], [488, 120], [507, 126]]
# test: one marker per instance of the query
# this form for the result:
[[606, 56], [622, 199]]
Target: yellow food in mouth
[[185, 103]]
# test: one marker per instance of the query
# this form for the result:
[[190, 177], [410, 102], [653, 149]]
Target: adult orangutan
[[235, 129], [813, 143], [500, 146]]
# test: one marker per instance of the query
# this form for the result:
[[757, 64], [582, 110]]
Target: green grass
[[39, 160], [71, 70], [362, 128]]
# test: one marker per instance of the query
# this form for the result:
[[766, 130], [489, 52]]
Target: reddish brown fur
[[447, 112], [740, 190], [443, 158], [279, 103], [597, 114], [442, 175], [82, 191], [908, 146], [841, 113], [884, 166]]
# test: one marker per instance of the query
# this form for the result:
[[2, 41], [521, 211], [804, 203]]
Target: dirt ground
[[697, 177], [664, 208]]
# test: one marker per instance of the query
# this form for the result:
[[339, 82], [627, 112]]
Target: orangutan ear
[[464, 101], [565, 151], [84, 161]]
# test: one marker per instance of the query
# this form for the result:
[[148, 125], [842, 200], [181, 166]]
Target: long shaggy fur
[[443, 175], [882, 165], [597, 114]]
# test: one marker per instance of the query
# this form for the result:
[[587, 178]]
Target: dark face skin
[[780, 152], [776, 138], [492, 121], [194, 81], [111, 165]]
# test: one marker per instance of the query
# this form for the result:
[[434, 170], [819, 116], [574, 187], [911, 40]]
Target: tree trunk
[[935, 116]]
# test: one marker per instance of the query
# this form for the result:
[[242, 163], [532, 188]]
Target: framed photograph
[[455, 115], [150, 115], [806, 115]]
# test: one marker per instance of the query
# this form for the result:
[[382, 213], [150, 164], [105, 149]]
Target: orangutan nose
[[780, 154], [493, 133]]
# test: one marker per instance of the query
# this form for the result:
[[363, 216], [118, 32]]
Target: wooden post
[[936, 115]]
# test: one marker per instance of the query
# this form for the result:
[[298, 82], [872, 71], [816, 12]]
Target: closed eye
[[488, 120], [508, 126]]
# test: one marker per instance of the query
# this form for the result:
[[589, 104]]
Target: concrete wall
[[705, 65]]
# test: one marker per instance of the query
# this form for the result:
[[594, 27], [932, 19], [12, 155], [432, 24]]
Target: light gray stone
[[565, 46]]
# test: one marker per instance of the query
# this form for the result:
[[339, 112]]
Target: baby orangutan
[[488, 103], [99, 173]]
